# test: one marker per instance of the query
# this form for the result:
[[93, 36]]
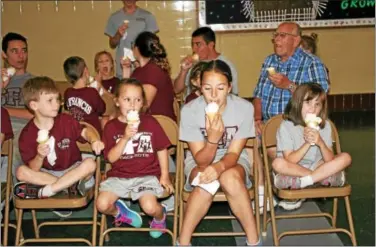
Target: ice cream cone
[[43, 136], [271, 71]]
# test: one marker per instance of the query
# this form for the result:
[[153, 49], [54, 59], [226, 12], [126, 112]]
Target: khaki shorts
[[132, 187]]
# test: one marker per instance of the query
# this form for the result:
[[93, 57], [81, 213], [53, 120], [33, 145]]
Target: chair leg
[[102, 229], [181, 214], [35, 223], [16, 214], [19, 225], [335, 211], [257, 212], [6, 221], [350, 219], [175, 226], [94, 231], [265, 213], [107, 237], [272, 216]]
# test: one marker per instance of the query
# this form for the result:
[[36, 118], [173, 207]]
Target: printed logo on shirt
[[12, 97], [227, 137], [140, 145], [80, 103], [64, 143]]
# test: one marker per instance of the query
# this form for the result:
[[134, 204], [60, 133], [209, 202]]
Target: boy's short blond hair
[[34, 87]]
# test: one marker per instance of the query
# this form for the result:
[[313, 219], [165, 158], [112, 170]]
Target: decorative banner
[[2, 6], [110, 5], [56, 6], [38, 6], [223, 15], [92, 4], [74, 5], [21, 7]]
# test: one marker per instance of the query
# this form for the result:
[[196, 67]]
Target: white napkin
[[128, 53], [51, 157], [210, 187], [125, 35], [94, 84]]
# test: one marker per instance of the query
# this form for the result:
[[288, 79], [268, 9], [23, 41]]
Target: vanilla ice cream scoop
[[42, 136], [211, 109], [133, 118], [195, 57], [271, 70], [126, 22], [312, 121], [10, 72]]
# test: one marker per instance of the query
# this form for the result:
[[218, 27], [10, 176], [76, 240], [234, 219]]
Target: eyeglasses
[[283, 35]]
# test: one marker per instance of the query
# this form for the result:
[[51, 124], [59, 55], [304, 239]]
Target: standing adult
[[125, 25]]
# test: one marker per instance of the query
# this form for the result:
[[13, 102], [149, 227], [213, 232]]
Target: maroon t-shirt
[[111, 84], [85, 104], [6, 126], [142, 159], [160, 79], [66, 131], [191, 97]]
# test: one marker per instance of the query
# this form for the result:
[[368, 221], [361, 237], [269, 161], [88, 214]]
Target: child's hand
[[209, 174], [43, 150], [130, 131], [215, 128], [314, 135], [97, 147], [166, 183]]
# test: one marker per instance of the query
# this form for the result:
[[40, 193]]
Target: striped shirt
[[300, 68]]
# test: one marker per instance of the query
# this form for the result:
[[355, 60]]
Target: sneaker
[[286, 182], [63, 213], [158, 225], [81, 187], [28, 191], [169, 203], [259, 243], [291, 204], [261, 204], [336, 180], [127, 215]]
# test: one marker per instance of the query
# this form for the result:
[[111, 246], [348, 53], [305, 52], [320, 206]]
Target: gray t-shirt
[[12, 96], [234, 74], [141, 20], [237, 118], [290, 137]]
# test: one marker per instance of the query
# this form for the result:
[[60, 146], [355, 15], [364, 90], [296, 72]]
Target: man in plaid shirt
[[292, 67]]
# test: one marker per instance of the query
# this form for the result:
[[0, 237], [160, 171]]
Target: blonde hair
[[96, 60]]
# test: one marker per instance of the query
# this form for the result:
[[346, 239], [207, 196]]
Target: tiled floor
[[357, 134]]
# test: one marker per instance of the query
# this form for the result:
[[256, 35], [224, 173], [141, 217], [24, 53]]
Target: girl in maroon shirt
[[139, 158], [195, 81], [104, 66], [84, 103], [154, 74]]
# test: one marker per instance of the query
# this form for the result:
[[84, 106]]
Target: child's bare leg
[[233, 185], [151, 206], [106, 203], [197, 207], [339, 163], [84, 170], [25, 174], [259, 161], [284, 167]]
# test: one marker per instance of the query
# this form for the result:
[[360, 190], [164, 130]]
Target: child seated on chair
[[6, 126], [195, 81], [304, 143], [84, 103], [47, 144], [136, 146], [216, 140], [104, 66]]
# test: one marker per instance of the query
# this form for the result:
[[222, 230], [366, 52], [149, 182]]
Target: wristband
[[211, 142]]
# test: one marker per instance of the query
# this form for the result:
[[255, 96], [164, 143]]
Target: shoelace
[[122, 219], [159, 225]]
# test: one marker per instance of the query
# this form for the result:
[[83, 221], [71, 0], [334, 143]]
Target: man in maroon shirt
[[84, 103], [55, 164]]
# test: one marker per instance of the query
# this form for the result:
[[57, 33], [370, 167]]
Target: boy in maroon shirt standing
[[84, 103], [53, 165]]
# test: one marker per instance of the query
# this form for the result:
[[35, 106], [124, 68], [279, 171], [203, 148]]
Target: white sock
[[47, 191], [261, 191], [255, 244], [306, 181]]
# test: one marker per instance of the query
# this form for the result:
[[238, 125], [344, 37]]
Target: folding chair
[[61, 201], [7, 150], [171, 130], [176, 106], [221, 197], [269, 140]]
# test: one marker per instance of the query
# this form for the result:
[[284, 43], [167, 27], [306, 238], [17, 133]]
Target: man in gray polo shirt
[[203, 44], [123, 27]]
